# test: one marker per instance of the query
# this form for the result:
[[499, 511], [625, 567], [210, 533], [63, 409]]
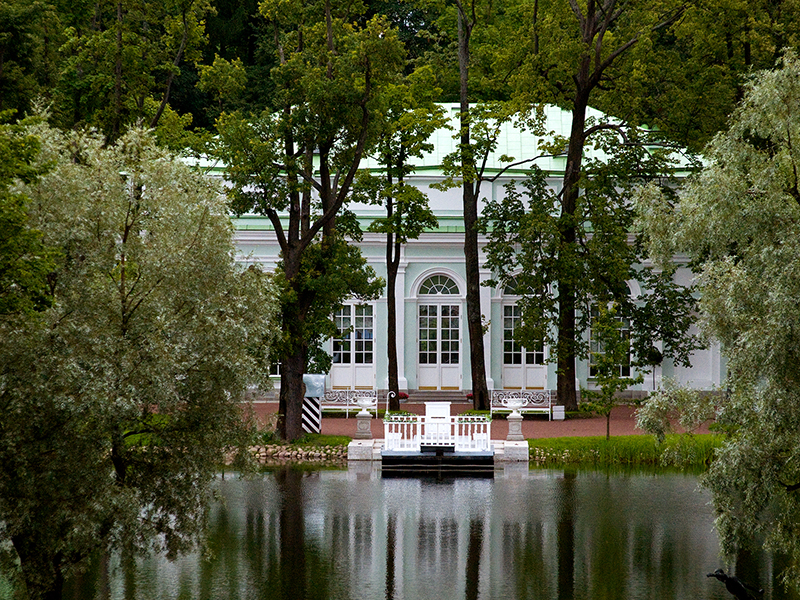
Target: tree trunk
[[293, 361], [290, 406], [480, 392], [41, 570], [567, 391]]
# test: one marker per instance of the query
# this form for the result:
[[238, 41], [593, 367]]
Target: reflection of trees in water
[[292, 536], [526, 559], [391, 543], [305, 571], [474, 551], [260, 543], [272, 559], [437, 545], [222, 570], [566, 535]]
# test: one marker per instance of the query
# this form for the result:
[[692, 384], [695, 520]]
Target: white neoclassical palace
[[433, 351]]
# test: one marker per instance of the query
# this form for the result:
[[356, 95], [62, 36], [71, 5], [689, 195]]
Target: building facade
[[432, 338]]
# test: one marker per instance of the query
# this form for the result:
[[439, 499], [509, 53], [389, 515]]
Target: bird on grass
[[735, 586]]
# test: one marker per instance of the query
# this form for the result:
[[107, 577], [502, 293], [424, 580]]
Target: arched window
[[439, 334], [438, 284], [511, 288]]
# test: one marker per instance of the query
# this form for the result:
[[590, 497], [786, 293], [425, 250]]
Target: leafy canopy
[[122, 398], [737, 220], [526, 245], [24, 260]]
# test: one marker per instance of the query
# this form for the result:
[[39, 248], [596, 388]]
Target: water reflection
[[341, 535]]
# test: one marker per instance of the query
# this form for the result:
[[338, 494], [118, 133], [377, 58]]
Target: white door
[[439, 346], [522, 368], [353, 349]]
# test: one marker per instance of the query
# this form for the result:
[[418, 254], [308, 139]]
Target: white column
[[400, 309], [486, 311]]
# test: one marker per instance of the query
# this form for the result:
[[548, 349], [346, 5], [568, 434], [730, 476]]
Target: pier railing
[[462, 433]]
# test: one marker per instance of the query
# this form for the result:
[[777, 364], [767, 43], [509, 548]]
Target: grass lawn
[[676, 451]]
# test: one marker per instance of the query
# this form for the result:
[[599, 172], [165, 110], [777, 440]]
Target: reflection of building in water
[[523, 535], [515, 535]]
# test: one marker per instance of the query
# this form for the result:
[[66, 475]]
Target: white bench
[[350, 400], [529, 401]]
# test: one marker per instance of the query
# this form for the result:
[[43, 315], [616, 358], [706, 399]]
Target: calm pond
[[526, 534]]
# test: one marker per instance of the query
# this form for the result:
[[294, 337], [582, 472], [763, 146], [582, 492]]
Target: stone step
[[455, 396]]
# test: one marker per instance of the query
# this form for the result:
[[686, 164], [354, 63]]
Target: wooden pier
[[437, 444]]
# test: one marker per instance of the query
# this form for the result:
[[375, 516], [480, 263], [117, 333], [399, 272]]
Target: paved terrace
[[623, 422]]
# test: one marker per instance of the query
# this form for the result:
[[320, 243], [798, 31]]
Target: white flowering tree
[[738, 220], [122, 398]]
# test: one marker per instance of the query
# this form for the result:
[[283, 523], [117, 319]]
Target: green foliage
[[408, 120], [737, 222], [526, 244], [30, 33], [477, 413], [398, 413], [682, 451], [121, 399], [690, 408], [332, 273], [224, 80], [318, 439], [24, 260], [129, 53], [690, 76], [611, 353]]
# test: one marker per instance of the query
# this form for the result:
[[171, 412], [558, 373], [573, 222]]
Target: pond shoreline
[[679, 451]]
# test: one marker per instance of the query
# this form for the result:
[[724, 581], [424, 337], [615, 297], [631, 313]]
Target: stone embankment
[[281, 454]]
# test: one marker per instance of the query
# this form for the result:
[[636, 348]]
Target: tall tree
[[470, 193], [526, 237], [121, 400], [121, 66], [408, 122], [571, 53], [25, 261], [737, 220], [297, 164], [479, 133]]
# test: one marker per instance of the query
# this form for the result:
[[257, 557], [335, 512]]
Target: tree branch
[[791, 488], [278, 226], [171, 78], [515, 164], [595, 128]]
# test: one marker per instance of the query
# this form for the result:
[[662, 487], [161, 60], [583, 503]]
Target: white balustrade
[[473, 434], [401, 433], [408, 433]]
